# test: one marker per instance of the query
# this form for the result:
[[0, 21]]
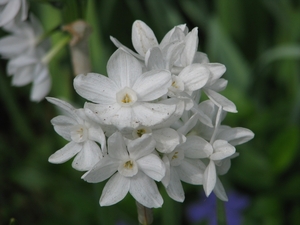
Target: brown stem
[[145, 215]]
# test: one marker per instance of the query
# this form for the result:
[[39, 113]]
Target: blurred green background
[[257, 40]]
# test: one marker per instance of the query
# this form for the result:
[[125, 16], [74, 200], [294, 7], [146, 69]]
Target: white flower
[[124, 98], [134, 167], [83, 135], [24, 37], [176, 50], [10, 9], [29, 67], [215, 152], [182, 165]]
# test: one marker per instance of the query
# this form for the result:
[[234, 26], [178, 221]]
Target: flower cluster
[[24, 48], [146, 121]]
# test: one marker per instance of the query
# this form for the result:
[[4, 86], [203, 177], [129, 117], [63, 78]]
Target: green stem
[[145, 215], [47, 34], [221, 213], [59, 46]]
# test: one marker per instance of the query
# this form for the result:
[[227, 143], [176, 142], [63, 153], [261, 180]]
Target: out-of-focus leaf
[[283, 148], [222, 48], [291, 51]]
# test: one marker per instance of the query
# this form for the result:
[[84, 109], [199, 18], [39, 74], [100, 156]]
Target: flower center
[[79, 133], [140, 131], [176, 157], [126, 97], [177, 85], [128, 168]]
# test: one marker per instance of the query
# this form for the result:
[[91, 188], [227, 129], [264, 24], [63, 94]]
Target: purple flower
[[205, 209]]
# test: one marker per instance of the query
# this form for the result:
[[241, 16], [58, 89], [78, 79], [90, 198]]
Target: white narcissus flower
[[29, 67], [215, 152], [24, 37], [83, 135], [181, 165], [133, 167], [27, 62], [10, 9], [125, 98]]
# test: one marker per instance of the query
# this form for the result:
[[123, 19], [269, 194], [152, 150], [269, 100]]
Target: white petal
[[40, 90], [196, 147], [123, 68], [102, 170], [190, 48], [96, 134], [152, 166], [124, 48], [145, 191], [67, 108], [190, 124], [167, 177], [154, 59], [23, 76], [152, 85], [141, 147], [221, 101], [220, 191], [166, 139], [194, 76], [89, 155], [143, 37], [206, 120], [222, 150], [190, 172], [9, 12], [96, 88], [150, 114], [200, 57], [174, 188], [115, 190], [219, 85], [210, 178], [217, 70], [64, 154], [236, 136], [224, 167], [12, 45], [116, 147]]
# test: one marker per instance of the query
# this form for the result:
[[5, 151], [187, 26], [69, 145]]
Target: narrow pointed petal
[[194, 76], [152, 166], [115, 190], [124, 48], [236, 136], [40, 90], [105, 168], [210, 178], [219, 85], [149, 114], [89, 155], [190, 48], [220, 191], [12, 45], [174, 188], [145, 191], [141, 147], [197, 148], [152, 85], [154, 59], [123, 68], [189, 172], [142, 37], [64, 154], [97, 134], [96, 88], [221, 101], [222, 150], [9, 12], [200, 57], [217, 70], [116, 146], [166, 139]]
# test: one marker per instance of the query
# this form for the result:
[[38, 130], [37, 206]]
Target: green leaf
[[283, 148]]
